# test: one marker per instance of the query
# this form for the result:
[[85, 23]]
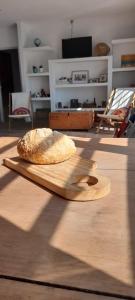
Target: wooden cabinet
[[71, 120]]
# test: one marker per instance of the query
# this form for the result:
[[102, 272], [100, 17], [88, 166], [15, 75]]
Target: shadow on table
[[32, 254]]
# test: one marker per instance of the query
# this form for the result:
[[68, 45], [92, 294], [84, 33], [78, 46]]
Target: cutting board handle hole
[[85, 181]]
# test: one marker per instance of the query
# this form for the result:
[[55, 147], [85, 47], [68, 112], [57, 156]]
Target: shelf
[[75, 85], [42, 48], [93, 58], [81, 109], [64, 90], [128, 69], [38, 74], [41, 99], [123, 41]]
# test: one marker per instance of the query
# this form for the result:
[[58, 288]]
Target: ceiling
[[32, 10]]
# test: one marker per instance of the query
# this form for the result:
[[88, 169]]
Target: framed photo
[[80, 76], [103, 78]]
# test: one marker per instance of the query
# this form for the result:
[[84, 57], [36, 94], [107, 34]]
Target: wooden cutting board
[[74, 179]]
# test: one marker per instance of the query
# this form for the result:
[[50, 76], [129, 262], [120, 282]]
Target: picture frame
[[80, 76], [103, 78]]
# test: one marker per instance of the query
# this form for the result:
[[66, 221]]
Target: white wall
[[8, 37], [103, 28]]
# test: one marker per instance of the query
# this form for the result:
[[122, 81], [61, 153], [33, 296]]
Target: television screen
[[77, 47]]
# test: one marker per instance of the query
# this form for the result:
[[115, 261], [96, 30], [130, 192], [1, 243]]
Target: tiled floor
[[19, 127]]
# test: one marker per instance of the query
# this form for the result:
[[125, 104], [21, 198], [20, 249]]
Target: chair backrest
[[20, 101], [121, 97]]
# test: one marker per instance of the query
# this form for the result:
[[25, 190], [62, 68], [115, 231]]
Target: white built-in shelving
[[123, 41], [40, 48], [41, 99], [48, 80], [85, 92], [38, 74], [122, 69], [80, 85], [122, 76], [35, 81]]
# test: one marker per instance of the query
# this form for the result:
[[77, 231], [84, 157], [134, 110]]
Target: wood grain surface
[[71, 120], [84, 244], [73, 179], [11, 290]]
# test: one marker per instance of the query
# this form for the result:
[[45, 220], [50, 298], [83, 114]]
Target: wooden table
[[88, 245]]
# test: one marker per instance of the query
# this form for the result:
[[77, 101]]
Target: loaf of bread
[[44, 146]]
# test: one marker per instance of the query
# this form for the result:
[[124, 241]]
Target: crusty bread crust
[[44, 146]]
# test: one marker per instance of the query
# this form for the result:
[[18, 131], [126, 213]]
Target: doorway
[[9, 76]]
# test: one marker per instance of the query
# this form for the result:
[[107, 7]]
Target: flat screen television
[[77, 47]]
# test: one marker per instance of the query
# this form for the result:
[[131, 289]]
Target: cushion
[[21, 111], [120, 112]]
